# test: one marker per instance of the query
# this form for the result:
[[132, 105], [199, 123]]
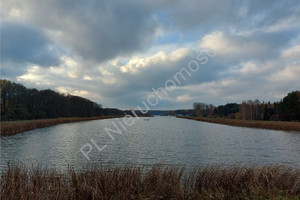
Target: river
[[148, 141]]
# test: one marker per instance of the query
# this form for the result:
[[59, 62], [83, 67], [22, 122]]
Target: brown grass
[[14, 127], [159, 182], [274, 125]]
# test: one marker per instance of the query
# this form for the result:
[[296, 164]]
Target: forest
[[21, 103], [287, 109]]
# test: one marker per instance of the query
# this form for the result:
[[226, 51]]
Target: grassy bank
[[14, 127], [156, 183], [274, 125]]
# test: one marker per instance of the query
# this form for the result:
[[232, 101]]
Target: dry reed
[[215, 182], [14, 127], [274, 125]]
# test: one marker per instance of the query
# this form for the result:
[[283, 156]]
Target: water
[[164, 140]]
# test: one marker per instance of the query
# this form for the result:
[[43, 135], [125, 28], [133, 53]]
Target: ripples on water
[[165, 140]]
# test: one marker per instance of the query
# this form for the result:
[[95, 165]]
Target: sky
[[117, 52]]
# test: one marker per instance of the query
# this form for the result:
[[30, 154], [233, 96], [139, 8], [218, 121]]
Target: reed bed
[[14, 127], [158, 182], [274, 125]]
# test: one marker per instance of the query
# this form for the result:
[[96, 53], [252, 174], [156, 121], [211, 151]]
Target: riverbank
[[273, 125], [155, 183], [15, 127]]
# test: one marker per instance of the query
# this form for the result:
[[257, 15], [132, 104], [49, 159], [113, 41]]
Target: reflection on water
[[165, 140]]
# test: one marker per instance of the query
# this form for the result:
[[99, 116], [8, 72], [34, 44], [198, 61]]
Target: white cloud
[[37, 75], [108, 77], [72, 91], [285, 24], [248, 67], [290, 73], [224, 45], [136, 64], [183, 98], [87, 78], [292, 52], [216, 41], [68, 68]]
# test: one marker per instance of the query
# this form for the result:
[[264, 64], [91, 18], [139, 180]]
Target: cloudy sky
[[114, 52]]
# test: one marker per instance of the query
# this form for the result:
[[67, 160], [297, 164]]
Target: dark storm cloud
[[241, 14], [97, 30], [22, 44], [11, 70]]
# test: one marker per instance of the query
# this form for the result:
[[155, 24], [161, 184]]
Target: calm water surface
[[165, 140]]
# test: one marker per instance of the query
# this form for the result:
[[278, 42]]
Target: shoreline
[[14, 127], [271, 125]]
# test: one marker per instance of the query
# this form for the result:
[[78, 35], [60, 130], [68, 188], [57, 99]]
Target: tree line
[[21, 103], [288, 109]]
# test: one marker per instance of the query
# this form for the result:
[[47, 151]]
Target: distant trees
[[198, 110], [288, 109], [184, 112], [20, 103], [251, 110], [203, 110], [226, 110], [269, 111]]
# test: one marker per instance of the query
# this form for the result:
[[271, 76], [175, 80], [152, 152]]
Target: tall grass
[[158, 182], [14, 127], [274, 125]]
